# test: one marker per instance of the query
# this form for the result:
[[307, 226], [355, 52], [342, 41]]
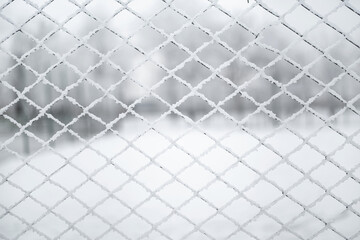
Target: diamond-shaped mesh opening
[[84, 101], [238, 72], [89, 24], [312, 88], [198, 108], [67, 39], [168, 15], [89, 222], [284, 171], [125, 23], [269, 159], [49, 194], [191, 9], [135, 119], [133, 222], [30, 216], [108, 109], [239, 137], [20, 77], [146, 80], [336, 104], [105, 75], [15, 231], [311, 53], [343, 192], [62, 76], [354, 35], [259, 56], [147, 210], [9, 46], [348, 162], [148, 150], [60, 10], [337, 19], [43, 225], [127, 58], [42, 100], [104, 41], [325, 70], [40, 60], [215, 55], [131, 160], [337, 140], [294, 19], [320, 209], [241, 210], [150, 108], [8, 63], [316, 7], [21, 111], [357, 104], [282, 71], [192, 37], [315, 225], [347, 87], [344, 226], [147, 39], [312, 189], [112, 210], [207, 19], [162, 56], [60, 178], [285, 210], [237, 37], [65, 111], [255, 86], [83, 58], [239, 107], [32, 27], [172, 90], [193, 72], [315, 36], [279, 37], [92, 197], [146, 9], [210, 194], [10, 11], [24, 145], [251, 14], [259, 223], [44, 128], [7, 27], [280, 7], [85, 122], [216, 89], [110, 7], [284, 107], [321, 173], [345, 52], [227, 229], [240, 177], [204, 210]]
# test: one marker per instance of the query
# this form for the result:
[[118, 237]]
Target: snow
[[170, 189]]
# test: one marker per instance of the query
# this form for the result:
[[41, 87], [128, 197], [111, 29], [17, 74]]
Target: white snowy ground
[[134, 195]]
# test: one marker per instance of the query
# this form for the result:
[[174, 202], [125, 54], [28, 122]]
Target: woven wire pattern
[[262, 176]]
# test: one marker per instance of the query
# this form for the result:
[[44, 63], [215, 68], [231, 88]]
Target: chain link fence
[[174, 119]]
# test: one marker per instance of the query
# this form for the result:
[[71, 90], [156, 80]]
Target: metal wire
[[195, 125]]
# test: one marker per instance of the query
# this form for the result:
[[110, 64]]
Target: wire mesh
[[131, 173]]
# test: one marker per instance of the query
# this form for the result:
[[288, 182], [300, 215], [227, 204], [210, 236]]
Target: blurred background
[[113, 62]]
